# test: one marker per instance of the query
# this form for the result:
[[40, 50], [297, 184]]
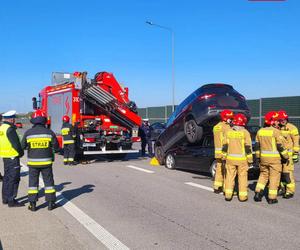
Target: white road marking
[[199, 186], [91, 225], [140, 169]]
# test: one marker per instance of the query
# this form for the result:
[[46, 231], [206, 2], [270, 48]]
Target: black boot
[[15, 203], [288, 196], [272, 201], [32, 206], [65, 163], [258, 196], [218, 191], [51, 205]]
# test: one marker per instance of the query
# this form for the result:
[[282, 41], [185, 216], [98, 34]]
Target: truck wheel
[[192, 131], [170, 161], [159, 154]]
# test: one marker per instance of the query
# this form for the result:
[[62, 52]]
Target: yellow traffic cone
[[154, 162]]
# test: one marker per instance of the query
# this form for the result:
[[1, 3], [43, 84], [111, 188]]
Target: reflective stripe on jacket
[[6, 148], [237, 146], [219, 131], [291, 134], [270, 145], [68, 133], [41, 143]]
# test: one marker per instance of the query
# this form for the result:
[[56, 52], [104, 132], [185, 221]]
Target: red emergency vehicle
[[106, 120]]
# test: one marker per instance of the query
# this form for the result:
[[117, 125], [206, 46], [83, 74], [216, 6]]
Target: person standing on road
[[69, 135], [237, 153], [270, 151], [1, 177], [219, 131], [41, 143], [145, 134], [291, 135], [10, 151]]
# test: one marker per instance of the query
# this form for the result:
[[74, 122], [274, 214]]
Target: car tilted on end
[[193, 120]]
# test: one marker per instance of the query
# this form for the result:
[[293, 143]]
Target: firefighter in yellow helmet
[[291, 135], [269, 150], [237, 153], [218, 131]]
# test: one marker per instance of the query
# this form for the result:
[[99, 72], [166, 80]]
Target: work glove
[[295, 157]]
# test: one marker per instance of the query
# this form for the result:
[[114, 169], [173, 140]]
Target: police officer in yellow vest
[[41, 143], [10, 151]]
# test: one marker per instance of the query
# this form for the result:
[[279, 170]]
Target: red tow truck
[[100, 109]]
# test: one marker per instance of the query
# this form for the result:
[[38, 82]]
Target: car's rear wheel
[[170, 161], [159, 154], [212, 169], [192, 131]]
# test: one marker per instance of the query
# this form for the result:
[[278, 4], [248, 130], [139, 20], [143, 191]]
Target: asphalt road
[[130, 204]]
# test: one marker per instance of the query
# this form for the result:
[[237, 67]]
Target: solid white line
[[199, 186], [140, 169], [91, 225]]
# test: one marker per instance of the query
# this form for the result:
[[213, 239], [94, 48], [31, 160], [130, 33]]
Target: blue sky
[[252, 45]]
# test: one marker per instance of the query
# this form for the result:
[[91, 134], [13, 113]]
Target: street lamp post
[[173, 58]]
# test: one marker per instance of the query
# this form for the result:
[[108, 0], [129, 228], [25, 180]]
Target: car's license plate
[[89, 144]]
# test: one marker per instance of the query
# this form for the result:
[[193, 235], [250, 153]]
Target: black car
[[198, 113], [197, 157], [156, 129]]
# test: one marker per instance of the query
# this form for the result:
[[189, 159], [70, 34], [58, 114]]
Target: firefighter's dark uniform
[[145, 134], [69, 135], [269, 149], [10, 151], [41, 143]]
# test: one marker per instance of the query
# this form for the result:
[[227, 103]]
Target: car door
[[196, 157]]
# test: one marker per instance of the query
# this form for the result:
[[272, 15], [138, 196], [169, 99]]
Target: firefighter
[[237, 153], [41, 143], [269, 149], [145, 134], [69, 135], [218, 131], [10, 151], [291, 135], [1, 177]]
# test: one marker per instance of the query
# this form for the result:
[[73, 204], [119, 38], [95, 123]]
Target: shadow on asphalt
[[112, 158], [1, 248]]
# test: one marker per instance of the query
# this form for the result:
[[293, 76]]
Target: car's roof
[[209, 85]]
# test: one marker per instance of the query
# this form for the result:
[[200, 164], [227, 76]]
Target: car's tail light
[[89, 139], [206, 96]]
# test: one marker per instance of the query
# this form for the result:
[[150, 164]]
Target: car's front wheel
[[192, 131], [170, 161], [159, 154]]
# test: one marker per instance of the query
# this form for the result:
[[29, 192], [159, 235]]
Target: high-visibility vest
[[6, 148]]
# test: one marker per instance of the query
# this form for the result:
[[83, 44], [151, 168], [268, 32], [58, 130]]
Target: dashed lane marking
[[140, 169], [199, 186], [90, 224]]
